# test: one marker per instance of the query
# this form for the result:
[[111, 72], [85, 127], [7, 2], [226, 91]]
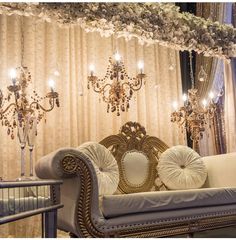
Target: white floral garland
[[149, 22]]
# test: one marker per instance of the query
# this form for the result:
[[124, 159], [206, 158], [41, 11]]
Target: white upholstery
[[135, 167], [221, 170], [144, 214], [146, 202], [180, 167], [105, 166]]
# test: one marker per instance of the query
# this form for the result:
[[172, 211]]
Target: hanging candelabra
[[194, 116], [116, 88], [22, 110]]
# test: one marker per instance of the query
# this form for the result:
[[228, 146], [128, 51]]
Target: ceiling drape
[[81, 117]]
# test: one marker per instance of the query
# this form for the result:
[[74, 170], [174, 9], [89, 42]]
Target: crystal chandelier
[[116, 87], [22, 110], [195, 115]]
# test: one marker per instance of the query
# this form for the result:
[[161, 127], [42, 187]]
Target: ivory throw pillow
[[180, 168], [105, 166]]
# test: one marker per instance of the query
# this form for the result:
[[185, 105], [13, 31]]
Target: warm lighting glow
[[185, 97], [51, 84], [204, 102], [175, 105], [12, 74], [202, 75], [195, 115], [22, 111], [211, 95], [91, 68], [117, 57], [116, 88], [56, 73], [140, 65]]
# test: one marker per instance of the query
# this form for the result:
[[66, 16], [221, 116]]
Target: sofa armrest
[[58, 164], [79, 191]]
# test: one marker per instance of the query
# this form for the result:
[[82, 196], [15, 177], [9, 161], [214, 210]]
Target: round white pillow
[[180, 167], [105, 166]]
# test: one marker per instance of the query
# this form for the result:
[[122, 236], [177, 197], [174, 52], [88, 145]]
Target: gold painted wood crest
[[133, 137]]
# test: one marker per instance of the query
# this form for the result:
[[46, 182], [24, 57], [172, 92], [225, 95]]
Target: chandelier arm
[[103, 88], [44, 109], [132, 87], [8, 107]]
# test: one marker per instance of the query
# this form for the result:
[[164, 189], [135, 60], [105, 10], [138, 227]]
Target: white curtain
[[230, 92], [220, 12], [230, 105], [82, 118]]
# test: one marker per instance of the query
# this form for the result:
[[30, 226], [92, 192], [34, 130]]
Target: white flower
[[149, 22]]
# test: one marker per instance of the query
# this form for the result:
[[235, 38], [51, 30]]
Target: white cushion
[[105, 166], [216, 166], [150, 202], [180, 167]]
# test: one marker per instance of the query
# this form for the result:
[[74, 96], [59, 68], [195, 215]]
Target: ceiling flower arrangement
[[149, 22]]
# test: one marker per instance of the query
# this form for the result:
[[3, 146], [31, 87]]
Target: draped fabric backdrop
[[213, 141], [230, 90], [82, 118], [230, 105]]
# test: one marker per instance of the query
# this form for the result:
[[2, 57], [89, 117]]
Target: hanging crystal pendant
[[202, 75]]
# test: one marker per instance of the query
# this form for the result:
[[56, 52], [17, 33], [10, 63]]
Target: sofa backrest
[[137, 155], [221, 170]]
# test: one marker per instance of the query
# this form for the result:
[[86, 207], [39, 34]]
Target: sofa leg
[[190, 235]]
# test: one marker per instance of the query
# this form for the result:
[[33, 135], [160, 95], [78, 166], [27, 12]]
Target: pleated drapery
[[230, 105], [230, 88], [81, 117], [213, 141]]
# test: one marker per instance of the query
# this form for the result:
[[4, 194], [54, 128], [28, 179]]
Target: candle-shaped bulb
[[117, 57], [204, 103], [12, 74], [211, 95], [140, 66], [175, 105], [91, 69], [185, 97], [51, 84]]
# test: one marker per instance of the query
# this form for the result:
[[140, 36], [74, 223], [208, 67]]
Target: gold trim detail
[[85, 225], [133, 136]]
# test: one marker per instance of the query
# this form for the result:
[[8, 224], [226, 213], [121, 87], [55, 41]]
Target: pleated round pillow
[[105, 166], [180, 168]]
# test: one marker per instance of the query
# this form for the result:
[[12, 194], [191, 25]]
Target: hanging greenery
[[149, 22]]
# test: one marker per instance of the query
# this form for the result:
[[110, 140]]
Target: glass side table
[[22, 199]]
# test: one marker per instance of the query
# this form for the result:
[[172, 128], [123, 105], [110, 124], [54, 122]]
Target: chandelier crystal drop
[[195, 115], [116, 88]]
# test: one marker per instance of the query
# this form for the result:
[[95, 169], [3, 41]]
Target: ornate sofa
[[138, 208]]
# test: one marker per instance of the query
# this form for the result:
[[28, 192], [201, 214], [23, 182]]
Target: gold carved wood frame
[[132, 137]]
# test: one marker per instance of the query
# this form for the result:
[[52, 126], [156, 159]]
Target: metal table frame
[[49, 214]]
